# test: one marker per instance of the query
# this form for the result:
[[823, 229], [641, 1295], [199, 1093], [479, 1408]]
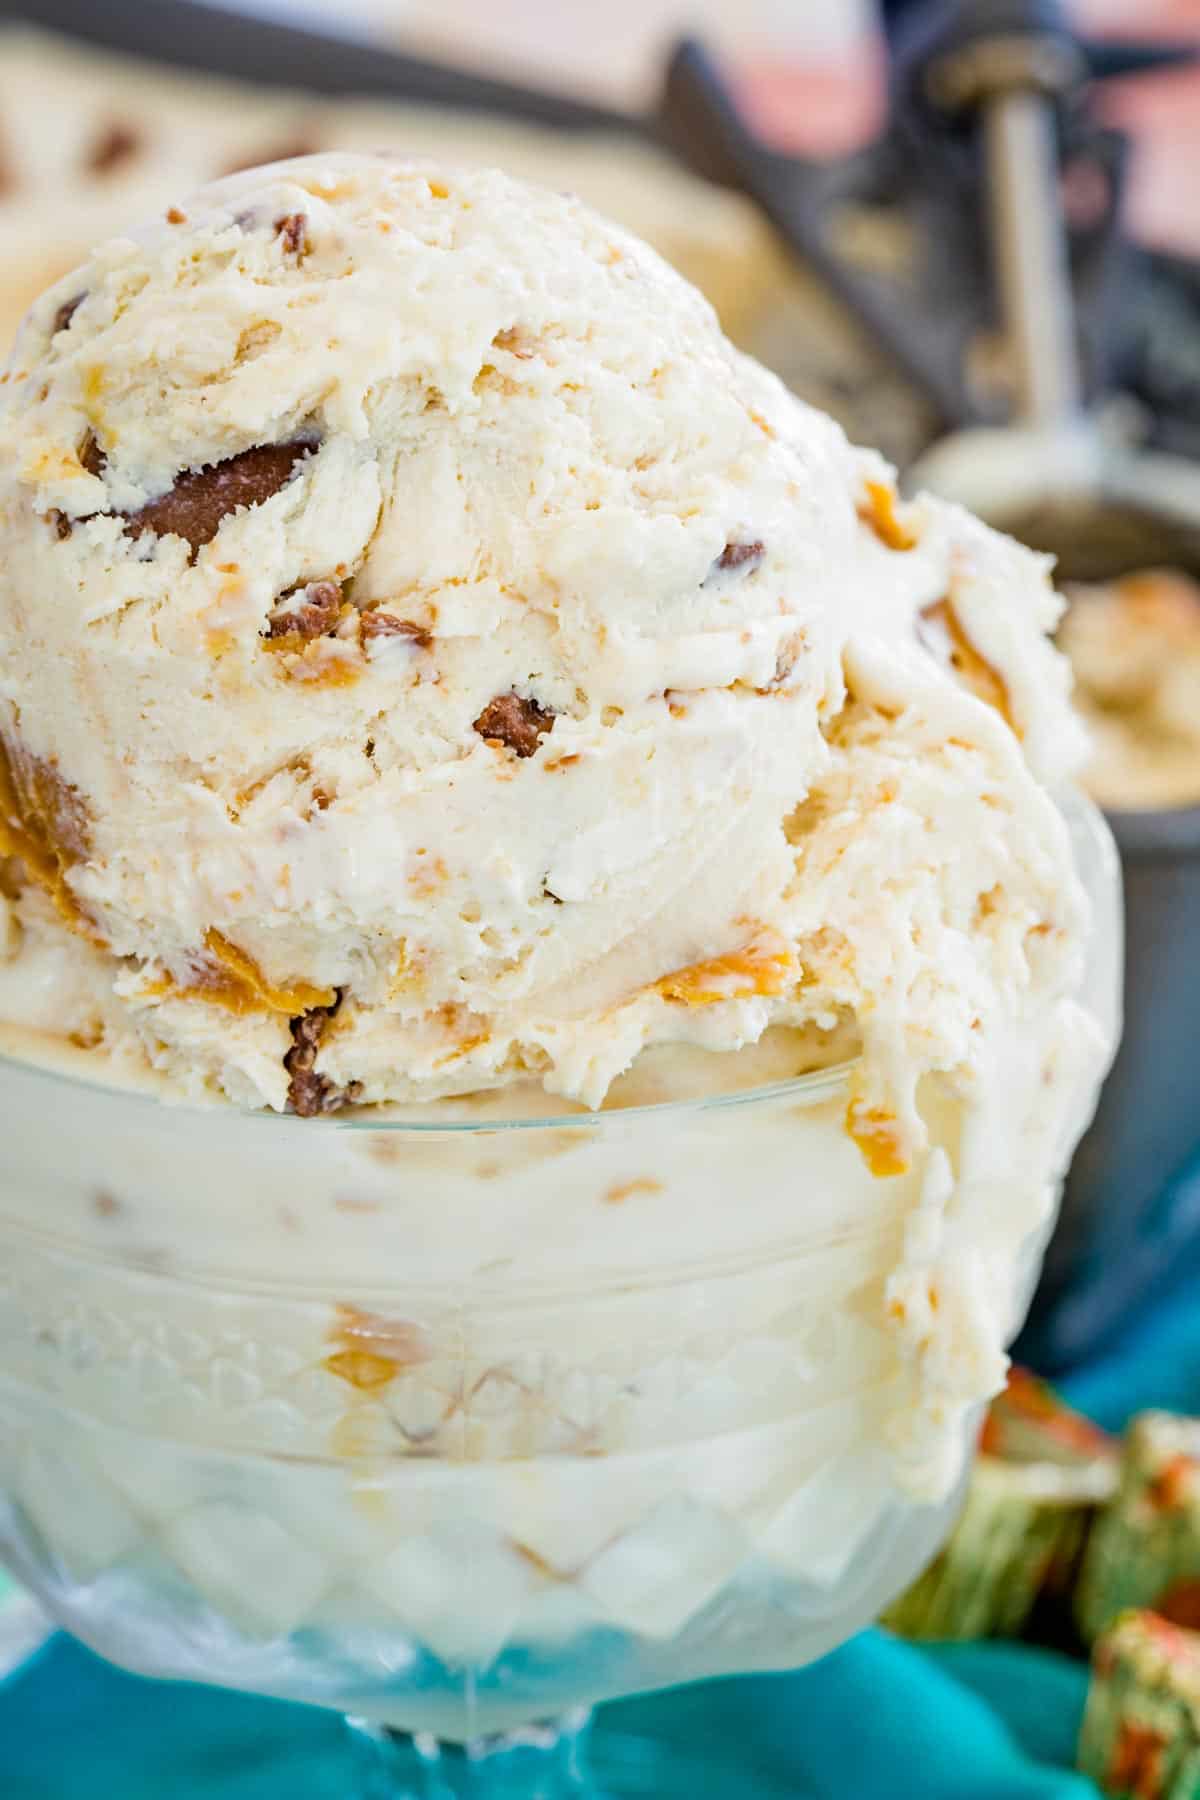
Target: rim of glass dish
[[810, 1086]]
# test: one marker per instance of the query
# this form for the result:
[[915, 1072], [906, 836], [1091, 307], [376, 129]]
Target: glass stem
[[536, 1762]]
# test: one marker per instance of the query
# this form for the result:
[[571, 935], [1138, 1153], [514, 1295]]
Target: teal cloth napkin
[[875, 1720]]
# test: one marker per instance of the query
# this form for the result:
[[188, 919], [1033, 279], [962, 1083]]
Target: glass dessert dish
[[461, 1424]]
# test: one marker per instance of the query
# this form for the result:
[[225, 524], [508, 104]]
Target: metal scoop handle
[[1030, 254]]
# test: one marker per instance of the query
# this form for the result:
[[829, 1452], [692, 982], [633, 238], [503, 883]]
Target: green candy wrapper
[[1140, 1738], [1041, 1472], [1145, 1548]]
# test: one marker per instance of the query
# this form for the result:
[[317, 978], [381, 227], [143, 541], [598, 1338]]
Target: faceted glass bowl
[[456, 1428]]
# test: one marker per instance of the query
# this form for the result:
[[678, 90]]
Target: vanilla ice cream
[[418, 618], [1134, 645], [445, 684]]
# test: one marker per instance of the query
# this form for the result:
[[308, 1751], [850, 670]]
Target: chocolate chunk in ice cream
[[66, 313], [292, 232], [376, 624], [201, 498], [307, 612], [91, 456], [310, 1094], [515, 721], [741, 556]]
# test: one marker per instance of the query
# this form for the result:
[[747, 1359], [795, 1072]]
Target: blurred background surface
[[811, 66]]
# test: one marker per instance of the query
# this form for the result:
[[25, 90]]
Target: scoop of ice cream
[[434, 657], [1134, 645]]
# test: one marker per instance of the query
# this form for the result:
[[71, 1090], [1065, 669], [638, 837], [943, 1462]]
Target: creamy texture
[[1134, 645], [566, 687]]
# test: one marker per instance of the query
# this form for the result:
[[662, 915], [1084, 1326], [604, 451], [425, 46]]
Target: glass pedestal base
[[539, 1762], [651, 1750]]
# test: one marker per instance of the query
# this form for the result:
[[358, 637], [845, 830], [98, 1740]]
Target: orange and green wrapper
[[1145, 1549], [1042, 1471], [1140, 1738]]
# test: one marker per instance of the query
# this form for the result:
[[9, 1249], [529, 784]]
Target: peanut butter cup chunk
[[44, 821], [745, 556], [311, 1094], [292, 232], [515, 721], [376, 624], [91, 456], [49, 804], [66, 313], [307, 612], [222, 974], [201, 498]]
